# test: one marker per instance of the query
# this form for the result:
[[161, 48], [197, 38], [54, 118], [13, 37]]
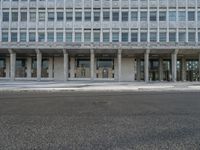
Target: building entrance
[[192, 73], [82, 68], [167, 70], [105, 68], [45, 67], [153, 69], [2, 68], [21, 68]]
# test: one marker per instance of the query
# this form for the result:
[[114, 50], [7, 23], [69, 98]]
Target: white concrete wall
[[58, 68], [128, 70]]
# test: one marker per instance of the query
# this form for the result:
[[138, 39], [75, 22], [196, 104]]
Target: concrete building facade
[[120, 40]]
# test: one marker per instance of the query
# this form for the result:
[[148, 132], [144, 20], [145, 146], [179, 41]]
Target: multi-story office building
[[122, 40]]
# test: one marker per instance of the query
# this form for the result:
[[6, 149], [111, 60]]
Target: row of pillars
[[13, 64], [119, 58], [92, 66], [92, 59], [173, 60]]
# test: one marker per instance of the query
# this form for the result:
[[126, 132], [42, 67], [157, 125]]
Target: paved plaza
[[99, 120]]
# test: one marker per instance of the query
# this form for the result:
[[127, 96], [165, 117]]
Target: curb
[[102, 88]]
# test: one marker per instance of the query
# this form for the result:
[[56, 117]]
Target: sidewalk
[[97, 86]]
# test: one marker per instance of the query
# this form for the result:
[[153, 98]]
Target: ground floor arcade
[[119, 65]]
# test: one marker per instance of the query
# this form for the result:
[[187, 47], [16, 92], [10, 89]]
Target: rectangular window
[[172, 16], [60, 16], [4, 37], [59, 37], [32, 16], [191, 37], [163, 37], [78, 37], [22, 36], [153, 37], [181, 16], [96, 16], [124, 16], [13, 36], [172, 37], [96, 37], [87, 16], [106, 16], [198, 17], [191, 16], [23, 16], [69, 16], [50, 16], [5, 16], [106, 37], [115, 37], [153, 16], [124, 37], [143, 16], [115, 16], [69, 37], [78, 16], [41, 16], [31, 36], [134, 37], [143, 37], [87, 37], [198, 36], [14, 16], [162, 16], [41, 37], [182, 37], [50, 37], [134, 16]]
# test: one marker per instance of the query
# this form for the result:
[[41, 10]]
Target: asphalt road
[[99, 121]]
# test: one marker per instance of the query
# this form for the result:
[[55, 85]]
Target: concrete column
[[183, 69], [7, 67], [39, 64], [161, 69], [138, 69], [119, 59], [72, 67], [66, 61], [50, 69], [174, 65], [146, 65], [28, 71], [92, 56], [12, 64]]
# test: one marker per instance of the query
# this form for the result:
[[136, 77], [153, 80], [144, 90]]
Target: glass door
[[21, 68], [105, 68], [2, 68], [192, 73], [167, 70], [154, 70], [45, 67], [82, 68]]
